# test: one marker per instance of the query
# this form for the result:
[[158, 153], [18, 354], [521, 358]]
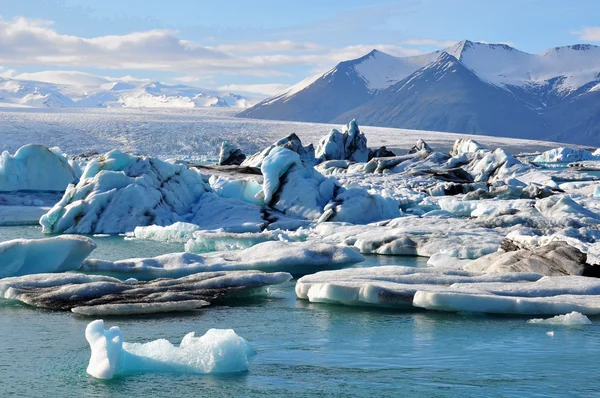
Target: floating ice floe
[[98, 295], [34, 256], [390, 286], [177, 232], [35, 168], [210, 241], [415, 236], [453, 290], [217, 351], [565, 155], [297, 258], [570, 319]]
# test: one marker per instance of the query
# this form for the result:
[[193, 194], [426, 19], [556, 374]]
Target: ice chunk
[[298, 258], [564, 155], [554, 259], [210, 241], [217, 351], [178, 232], [389, 286], [571, 319], [230, 155], [34, 256], [119, 192], [104, 295], [360, 207], [275, 165], [245, 190], [350, 144], [292, 143], [35, 168], [465, 145], [498, 304], [415, 236], [21, 215]]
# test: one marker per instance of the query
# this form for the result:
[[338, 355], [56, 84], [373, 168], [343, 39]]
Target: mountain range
[[65, 89], [471, 87]]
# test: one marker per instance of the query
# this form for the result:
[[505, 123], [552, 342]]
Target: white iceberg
[[350, 144], [571, 319], [390, 286], [211, 241], [564, 155], [35, 168], [177, 232], [35, 256], [119, 192], [217, 351], [297, 258]]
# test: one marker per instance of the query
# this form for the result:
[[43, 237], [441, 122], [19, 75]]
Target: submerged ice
[[217, 351]]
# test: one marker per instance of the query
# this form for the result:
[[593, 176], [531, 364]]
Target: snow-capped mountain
[[470, 87], [82, 90]]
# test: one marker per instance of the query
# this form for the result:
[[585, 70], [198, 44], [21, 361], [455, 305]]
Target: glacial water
[[306, 349]]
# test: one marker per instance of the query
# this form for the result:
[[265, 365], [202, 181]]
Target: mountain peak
[[459, 49]]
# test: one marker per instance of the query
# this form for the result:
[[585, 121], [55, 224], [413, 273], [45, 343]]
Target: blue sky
[[265, 45]]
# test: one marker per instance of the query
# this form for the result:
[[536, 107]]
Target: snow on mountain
[[83, 90], [556, 89]]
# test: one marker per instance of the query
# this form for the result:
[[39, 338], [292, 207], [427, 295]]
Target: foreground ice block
[[34, 256], [297, 258], [217, 351], [99, 295]]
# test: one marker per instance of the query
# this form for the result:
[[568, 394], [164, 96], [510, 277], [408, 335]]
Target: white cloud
[[268, 47], [429, 42], [268, 89], [25, 42], [590, 33]]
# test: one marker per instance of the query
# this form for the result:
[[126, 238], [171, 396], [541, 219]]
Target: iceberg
[[297, 258], [292, 143], [465, 145], [177, 232], [118, 192], [565, 155], [100, 295], [35, 168], [350, 144], [390, 286], [230, 155], [571, 319], [35, 256], [210, 241], [554, 259], [217, 351]]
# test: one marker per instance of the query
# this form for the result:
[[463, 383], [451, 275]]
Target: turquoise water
[[307, 349]]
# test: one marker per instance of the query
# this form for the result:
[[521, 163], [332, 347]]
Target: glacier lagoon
[[306, 348]]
